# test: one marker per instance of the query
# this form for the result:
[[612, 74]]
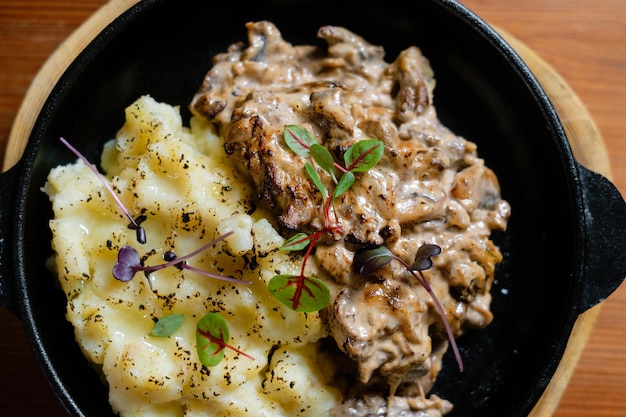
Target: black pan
[[565, 249]]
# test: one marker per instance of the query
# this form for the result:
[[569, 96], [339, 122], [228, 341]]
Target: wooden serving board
[[582, 132]]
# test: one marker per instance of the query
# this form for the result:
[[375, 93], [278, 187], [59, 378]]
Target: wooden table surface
[[583, 40]]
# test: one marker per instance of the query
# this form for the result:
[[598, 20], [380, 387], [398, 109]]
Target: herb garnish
[[135, 223], [129, 263], [167, 325], [212, 337], [369, 260], [301, 292]]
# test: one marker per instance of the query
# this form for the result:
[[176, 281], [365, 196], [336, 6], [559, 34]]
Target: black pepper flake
[[252, 208], [254, 264], [386, 231]]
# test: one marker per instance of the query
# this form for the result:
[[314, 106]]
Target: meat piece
[[376, 406], [384, 326], [253, 141], [412, 73]]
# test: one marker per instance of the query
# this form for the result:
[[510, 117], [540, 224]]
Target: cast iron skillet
[[564, 249]]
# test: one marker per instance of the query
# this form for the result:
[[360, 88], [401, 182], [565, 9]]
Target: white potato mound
[[181, 179]]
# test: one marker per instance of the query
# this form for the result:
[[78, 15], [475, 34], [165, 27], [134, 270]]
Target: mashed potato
[[181, 179]]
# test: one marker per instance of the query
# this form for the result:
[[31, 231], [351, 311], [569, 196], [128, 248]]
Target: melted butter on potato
[[180, 178]]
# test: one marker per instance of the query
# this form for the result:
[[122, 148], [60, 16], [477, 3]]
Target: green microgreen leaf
[[212, 337], [167, 325], [300, 293], [299, 140], [296, 242], [363, 155], [344, 184], [316, 179], [324, 159]]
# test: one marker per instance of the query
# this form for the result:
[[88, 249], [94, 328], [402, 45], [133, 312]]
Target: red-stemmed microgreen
[[135, 223], [299, 140], [363, 155], [212, 336], [129, 263], [368, 260], [301, 292]]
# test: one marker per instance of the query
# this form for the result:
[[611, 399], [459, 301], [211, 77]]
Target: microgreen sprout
[[368, 260], [135, 223], [212, 337], [167, 325], [301, 292], [129, 263]]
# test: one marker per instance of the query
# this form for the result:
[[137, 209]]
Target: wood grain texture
[[580, 43]]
